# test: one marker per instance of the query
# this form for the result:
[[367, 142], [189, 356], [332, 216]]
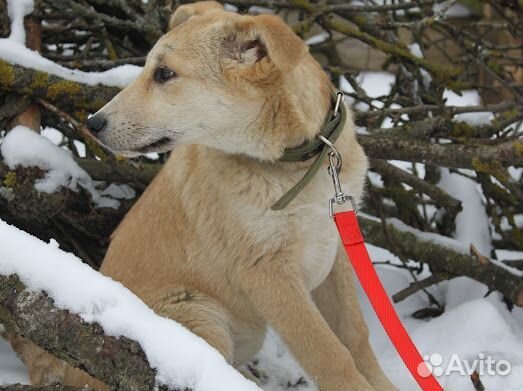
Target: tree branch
[[445, 260], [438, 195], [68, 95], [119, 362], [508, 153]]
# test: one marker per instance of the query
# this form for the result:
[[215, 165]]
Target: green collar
[[331, 130]]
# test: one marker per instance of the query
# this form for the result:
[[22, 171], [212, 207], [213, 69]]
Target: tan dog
[[202, 245]]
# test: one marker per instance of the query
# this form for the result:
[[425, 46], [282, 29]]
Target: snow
[[57, 138], [447, 242], [257, 10], [181, 358], [16, 53], [276, 364], [12, 370], [471, 324], [53, 135], [455, 11], [468, 98], [509, 255], [441, 240], [472, 224], [415, 50], [516, 172], [317, 38], [16, 10], [375, 85], [21, 146], [474, 326], [13, 50], [120, 192]]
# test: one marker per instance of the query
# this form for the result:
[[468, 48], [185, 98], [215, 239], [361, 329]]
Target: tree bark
[[119, 362], [509, 153], [69, 95]]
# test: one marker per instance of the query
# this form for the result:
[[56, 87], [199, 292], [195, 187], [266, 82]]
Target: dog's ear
[[184, 12], [282, 46], [264, 40]]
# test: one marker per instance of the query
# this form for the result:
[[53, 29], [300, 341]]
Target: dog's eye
[[162, 74]]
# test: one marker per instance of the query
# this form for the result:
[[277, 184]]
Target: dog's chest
[[319, 243]]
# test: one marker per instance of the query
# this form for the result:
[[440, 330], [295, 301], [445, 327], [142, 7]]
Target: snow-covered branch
[[68, 94], [119, 362], [93, 322]]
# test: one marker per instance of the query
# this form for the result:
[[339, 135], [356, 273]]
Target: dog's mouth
[[156, 146]]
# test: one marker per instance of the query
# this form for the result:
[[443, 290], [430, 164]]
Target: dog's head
[[216, 78]]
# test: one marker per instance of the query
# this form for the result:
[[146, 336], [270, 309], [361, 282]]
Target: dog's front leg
[[275, 287], [337, 299]]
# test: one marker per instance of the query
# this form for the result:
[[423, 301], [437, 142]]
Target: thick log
[[444, 260], [119, 362], [66, 94]]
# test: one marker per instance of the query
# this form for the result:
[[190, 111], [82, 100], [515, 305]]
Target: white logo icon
[[483, 365]]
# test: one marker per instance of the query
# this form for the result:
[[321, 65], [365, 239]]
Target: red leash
[[352, 239]]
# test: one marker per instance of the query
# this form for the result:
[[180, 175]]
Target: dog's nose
[[96, 123]]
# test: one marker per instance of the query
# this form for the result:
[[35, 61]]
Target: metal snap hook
[[335, 164]]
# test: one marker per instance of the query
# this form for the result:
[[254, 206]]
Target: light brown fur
[[202, 246]]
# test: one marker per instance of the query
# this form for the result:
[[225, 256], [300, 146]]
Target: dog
[[227, 94]]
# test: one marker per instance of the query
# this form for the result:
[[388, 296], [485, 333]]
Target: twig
[[476, 382], [481, 258], [419, 285]]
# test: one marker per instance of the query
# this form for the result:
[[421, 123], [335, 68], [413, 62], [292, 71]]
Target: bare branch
[[509, 153], [445, 260]]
